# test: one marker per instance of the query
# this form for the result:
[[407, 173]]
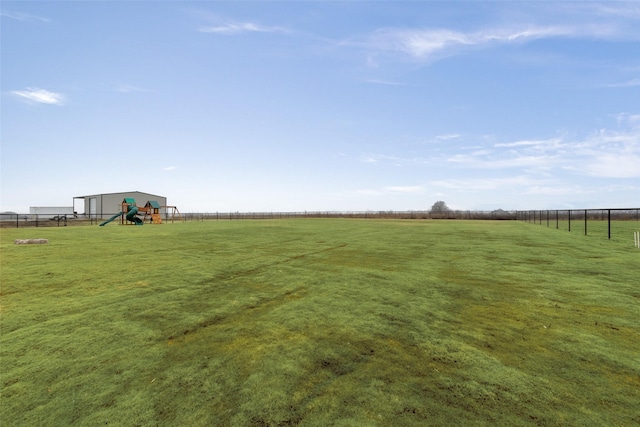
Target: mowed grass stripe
[[319, 322]]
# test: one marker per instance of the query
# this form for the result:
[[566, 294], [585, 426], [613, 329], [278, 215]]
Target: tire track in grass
[[254, 309], [250, 271], [263, 303]]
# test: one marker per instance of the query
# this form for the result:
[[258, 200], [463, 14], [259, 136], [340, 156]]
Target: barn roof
[[121, 192]]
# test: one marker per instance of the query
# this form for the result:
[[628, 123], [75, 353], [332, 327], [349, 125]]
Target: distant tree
[[440, 207]]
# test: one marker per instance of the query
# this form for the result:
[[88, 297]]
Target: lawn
[[319, 322]]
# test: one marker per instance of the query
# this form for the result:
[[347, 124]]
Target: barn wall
[[109, 204]]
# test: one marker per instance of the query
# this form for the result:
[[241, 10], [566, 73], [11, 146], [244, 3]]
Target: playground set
[[131, 214]]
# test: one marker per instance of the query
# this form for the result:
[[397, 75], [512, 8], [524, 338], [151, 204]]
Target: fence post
[[585, 222], [569, 215], [609, 222]]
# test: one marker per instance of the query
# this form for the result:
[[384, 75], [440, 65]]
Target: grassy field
[[319, 322]]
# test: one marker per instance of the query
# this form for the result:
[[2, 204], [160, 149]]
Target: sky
[[276, 106]]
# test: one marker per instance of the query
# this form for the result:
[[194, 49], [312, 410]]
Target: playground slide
[[131, 216], [111, 219]]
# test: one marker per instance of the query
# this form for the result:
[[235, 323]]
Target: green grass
[[319, 322]]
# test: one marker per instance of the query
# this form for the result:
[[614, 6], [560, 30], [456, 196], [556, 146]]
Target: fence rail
[[616, 222]]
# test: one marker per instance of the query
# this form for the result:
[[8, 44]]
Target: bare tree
[[440, 207]]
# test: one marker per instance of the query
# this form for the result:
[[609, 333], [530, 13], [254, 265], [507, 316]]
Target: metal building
[[105, 205]]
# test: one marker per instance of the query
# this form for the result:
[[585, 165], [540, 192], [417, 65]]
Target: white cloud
[[423, 44], [611, 154], [369, 192], [496, 160], [603, 154], [20, 16], [482, 183], [448, 137], [555, 190], [170, 168], [617, 21], [628, 10], [552, 142], [629, 83], [521, 184], [393, 160], [624, 118], [615, 166], [404, 189], [241, 27], [40, 96], [384, 82]]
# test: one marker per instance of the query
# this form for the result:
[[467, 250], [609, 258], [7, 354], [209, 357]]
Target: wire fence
[[63, 220], [14, 220], [614, 223], [451, 214]]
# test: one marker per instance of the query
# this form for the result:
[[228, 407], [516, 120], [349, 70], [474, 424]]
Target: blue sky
[[349, 106]]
